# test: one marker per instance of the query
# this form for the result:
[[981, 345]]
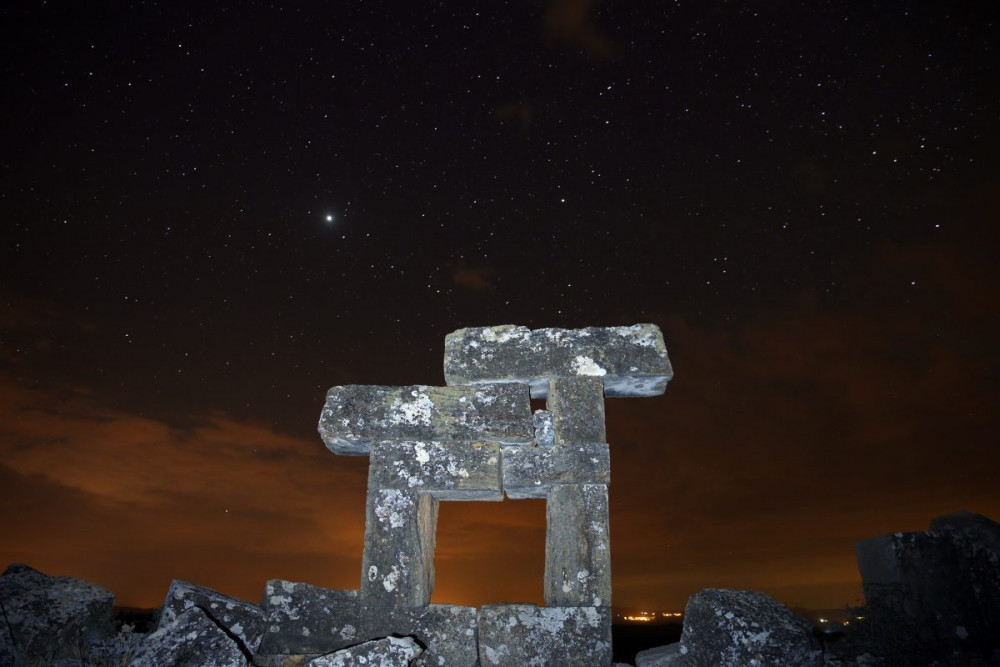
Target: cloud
[[474, 279], [86, 484], [573, 22], [787, 436]]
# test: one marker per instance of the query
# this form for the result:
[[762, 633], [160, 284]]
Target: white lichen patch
[[486, 398], [391, 580], [583, 365], [417, 412], [393, 507]]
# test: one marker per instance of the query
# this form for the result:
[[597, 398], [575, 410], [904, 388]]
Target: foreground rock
[[519, 635], [738, 629], [661, 656], [385, 652], [192, 639], [243, 621], [45, 618], [305, 619], [934, 595]]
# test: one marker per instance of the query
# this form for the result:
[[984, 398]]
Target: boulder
[[385, 652], [244, 621], [46, 618], [743, 628], [939, 590], [192, 639], [306, 619]]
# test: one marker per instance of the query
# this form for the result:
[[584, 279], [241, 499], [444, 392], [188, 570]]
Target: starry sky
[[213, 212]]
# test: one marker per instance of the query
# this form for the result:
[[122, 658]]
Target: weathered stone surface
[[45, 617], [385, 652], [397, 570], [577, 406], [939, 590], [545, 433], [356, 415], [525, 635], [302, 618], [447, 632], [736, 628], [661, 656], [192, 639], [577, 546], [245, 621], [632, 360], [531, 472], [446, 470]]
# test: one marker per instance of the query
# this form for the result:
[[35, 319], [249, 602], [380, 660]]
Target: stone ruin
[[932, 597], [476, 439]]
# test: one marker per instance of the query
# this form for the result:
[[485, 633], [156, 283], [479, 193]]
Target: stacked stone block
[[476, 439]]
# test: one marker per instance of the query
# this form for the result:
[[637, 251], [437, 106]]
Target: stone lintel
[[577, 546], [446, 470], [577, 406], [307, 619], [515, 635], [531, 472], [631, 360], [397, 568], [356, 415]]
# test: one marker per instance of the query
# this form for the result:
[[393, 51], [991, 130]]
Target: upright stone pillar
[[577, 546], [398, 563]]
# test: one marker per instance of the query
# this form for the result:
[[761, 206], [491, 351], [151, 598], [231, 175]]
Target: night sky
[[211, 213]]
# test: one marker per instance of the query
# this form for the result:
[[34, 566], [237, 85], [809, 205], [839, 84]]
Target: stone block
[[545, 435], [525, 635], [304, 619], [384, 652], [356, 415], [445, 470], [49, 616], [245, 621], [397, 568], [191, 639], [577, 546], [447, 633], [729, 627], [531, 472], [631, 360], [577, 406]]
